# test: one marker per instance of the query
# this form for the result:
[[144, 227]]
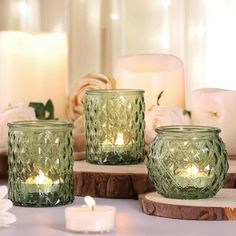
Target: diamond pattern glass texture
[[187, 162], [40, 163], [115, 126]]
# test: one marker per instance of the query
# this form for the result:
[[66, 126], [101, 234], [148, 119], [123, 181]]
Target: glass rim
[[187, 129], [40, 124], [114, 91]]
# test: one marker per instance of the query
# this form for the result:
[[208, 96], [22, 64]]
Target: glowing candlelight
[[39, 179], [90, 202], [41, 183], [106, 142], [191, 175], [192, 171], [119, 139], [118, 143]]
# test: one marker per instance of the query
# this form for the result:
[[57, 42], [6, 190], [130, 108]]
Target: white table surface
[[129, 221]]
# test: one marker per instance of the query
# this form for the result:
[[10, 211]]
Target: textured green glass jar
[[187, 162], [40, 158], [115, 126]]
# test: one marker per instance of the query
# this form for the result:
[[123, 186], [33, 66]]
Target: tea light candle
[[191, 176], [118, 145], [90, 218], [40, 183]]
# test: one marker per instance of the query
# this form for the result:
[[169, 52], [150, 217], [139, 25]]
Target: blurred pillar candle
[[33, 67], [153, 73], [216, 107]]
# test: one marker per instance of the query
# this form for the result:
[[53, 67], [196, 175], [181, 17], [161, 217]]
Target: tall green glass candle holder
[[40, 157], [187, 162], [115, 126]]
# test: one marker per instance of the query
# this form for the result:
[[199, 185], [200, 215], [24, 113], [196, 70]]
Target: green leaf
[[49, 108], [39, 109], [43, 112]]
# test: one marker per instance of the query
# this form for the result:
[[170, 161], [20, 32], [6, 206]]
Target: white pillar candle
[[216, 107], [153, 73], [33, 68], [91, 218]]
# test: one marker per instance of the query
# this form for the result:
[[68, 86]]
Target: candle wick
[[92, 207]]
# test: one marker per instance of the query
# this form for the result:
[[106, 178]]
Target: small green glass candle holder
[[115, 126], [40, 158], [187, 162]]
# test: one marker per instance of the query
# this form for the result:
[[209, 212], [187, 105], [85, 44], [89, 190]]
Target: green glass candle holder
[[187, 162], [40, 158], [115, 126]]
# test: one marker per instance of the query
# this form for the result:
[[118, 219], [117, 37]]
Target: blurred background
[[199, 32]]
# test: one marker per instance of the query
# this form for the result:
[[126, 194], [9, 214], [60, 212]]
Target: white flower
[[6, 217], [14, 113]]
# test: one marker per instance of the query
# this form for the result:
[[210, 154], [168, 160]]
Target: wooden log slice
[[121, 181], [79, 156], [220, 207], [126, 181], [3, 165], [232, 157], [230, 179]]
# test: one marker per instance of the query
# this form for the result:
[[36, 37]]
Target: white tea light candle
[[91, 218]]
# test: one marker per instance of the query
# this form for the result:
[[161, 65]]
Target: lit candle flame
[[39, 179], [192, 171], [119, 139], [90, 202]]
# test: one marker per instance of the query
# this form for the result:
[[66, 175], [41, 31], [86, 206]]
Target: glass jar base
[[188, 194], [115, 159], [42, 204]]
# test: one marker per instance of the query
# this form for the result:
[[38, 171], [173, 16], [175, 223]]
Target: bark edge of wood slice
[[3, 166], [125, 181], [122, 181], [220, 207]]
